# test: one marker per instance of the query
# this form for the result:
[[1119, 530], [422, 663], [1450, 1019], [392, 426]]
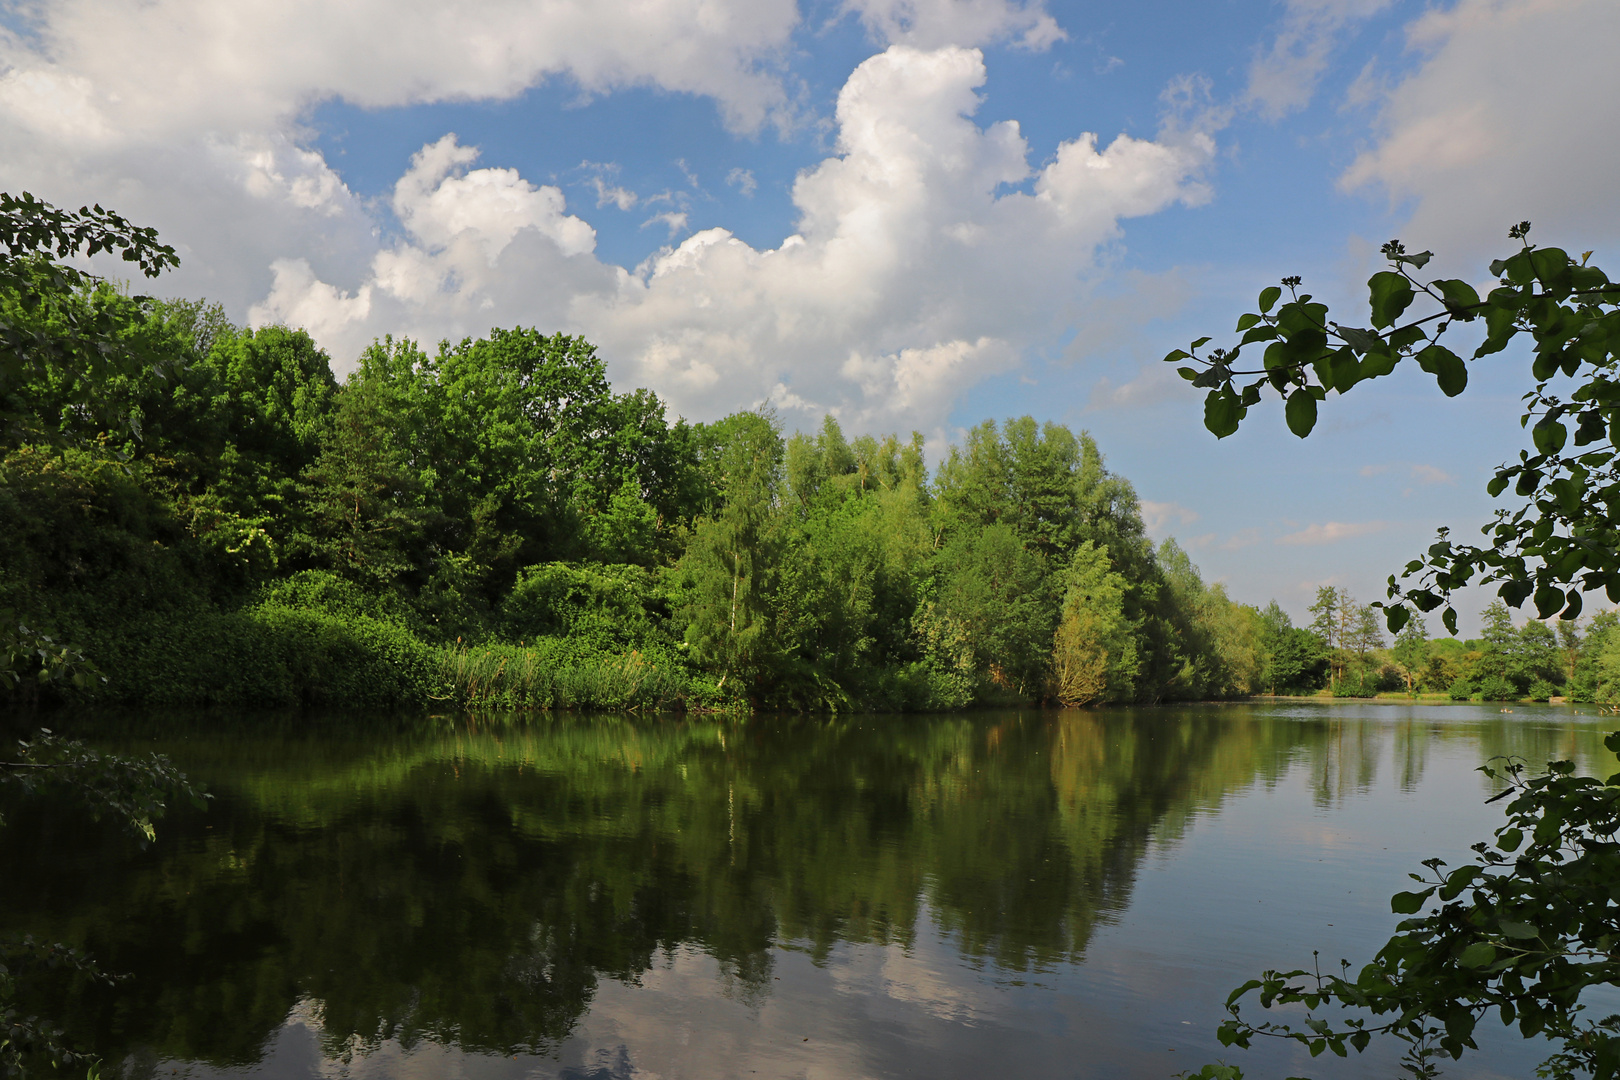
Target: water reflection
[[361, 894]]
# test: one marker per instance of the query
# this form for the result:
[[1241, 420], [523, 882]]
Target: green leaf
[[1458, 295], [1396, 618], [1510, 839], [1409, 903], [1449, 618], [1301, 412], [1187, 373], [1522, 931], [1176, 355], [1361, 340], [1549, 436], [1459, 880], [1222, 412], [1447, 367], [1390, 295], [1269, 296], [1549, 601], [1246, 321], [1477, 955]]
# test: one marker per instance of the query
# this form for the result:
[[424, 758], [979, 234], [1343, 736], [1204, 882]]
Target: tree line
[[492, 523]]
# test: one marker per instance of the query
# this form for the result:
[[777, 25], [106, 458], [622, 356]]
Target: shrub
[[1541, 690], [1462, 690], [1496, 688], [1356, 685]]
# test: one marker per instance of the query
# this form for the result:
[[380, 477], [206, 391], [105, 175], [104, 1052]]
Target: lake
[[997, 894]]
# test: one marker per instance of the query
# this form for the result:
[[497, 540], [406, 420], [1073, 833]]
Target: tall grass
[[559, 674]]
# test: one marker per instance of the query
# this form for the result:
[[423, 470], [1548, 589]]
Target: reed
[[560, 674]]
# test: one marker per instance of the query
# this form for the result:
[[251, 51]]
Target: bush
[[264, 656], [1496, 688], [1462, 690], [1356, 685], [1541, 690]]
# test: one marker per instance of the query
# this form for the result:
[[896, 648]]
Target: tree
[[44, 334], [1521, 932], [1094, 652], [1366, 633], [1562, 540], [1411, 652], [1334, 610]]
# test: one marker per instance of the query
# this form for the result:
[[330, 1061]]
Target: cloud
[[608, 193], [1332, 532], [254, 65], [913, 274], [1283, 77], [1155, 383], [743, 180], [932, 24], [1489, 130], [673, 220], [1157, 516], [1242, 539], [1431, 474], [1418, 473]]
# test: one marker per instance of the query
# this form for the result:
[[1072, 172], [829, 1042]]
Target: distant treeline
[[1577, 660], [492, 525]]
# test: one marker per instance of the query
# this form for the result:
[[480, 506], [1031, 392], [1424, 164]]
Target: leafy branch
[[55, 324], [1562, 540], [1523, 931]]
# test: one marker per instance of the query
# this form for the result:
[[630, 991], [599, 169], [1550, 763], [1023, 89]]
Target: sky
[[913, 214]]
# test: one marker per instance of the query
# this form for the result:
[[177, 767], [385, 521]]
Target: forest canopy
[[492, 523]]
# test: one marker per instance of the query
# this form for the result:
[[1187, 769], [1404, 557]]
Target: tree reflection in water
[[472, 882]]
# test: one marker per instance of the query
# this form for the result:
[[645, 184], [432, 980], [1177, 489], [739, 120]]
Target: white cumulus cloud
[[913, 273]]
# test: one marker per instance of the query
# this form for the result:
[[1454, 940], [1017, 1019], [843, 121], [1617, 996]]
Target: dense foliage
[[492, 523], [1526, 929]]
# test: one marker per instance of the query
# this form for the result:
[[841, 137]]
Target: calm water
[[1034, 894]]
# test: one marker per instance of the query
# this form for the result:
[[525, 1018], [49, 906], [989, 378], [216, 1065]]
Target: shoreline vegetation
[[493, 527]]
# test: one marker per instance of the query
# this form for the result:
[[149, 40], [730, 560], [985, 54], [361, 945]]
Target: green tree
[[1411, 652], [1094, 654], [1521, 932], [55, 326]]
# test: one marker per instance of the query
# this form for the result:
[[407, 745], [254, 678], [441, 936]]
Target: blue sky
[[914, 213]]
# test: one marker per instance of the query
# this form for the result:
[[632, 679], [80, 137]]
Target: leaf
[[1449, 618], [1549, 436], [1187, 373], [1222, 412], [1447, 367], [1269, 296], [1409, 903], [1301, 412], [1510, 839], [1176, 355], [1522, 931], [1390, 295], [1458, 881], [1246, 321], [1477, 955], [1396, 618], [1361, 340], [1549, 601], [1459, 295]]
